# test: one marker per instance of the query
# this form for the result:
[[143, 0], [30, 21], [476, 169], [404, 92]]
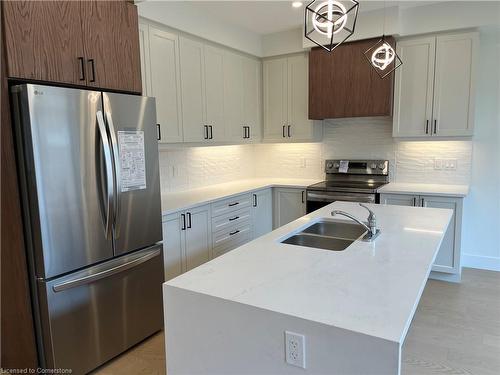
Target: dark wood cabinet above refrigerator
[[86, 43], [343, 84]]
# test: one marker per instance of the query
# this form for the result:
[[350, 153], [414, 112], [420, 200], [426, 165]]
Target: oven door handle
[[349, 197]]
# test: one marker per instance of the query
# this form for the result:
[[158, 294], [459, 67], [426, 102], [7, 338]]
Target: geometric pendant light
[[329, 23], [383, 58]]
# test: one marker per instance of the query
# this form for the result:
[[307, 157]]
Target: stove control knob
[[373, 166], [381, 165], [329, 165], [336, 165]]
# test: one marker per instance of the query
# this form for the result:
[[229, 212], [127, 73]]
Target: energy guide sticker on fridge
[[133, 163]]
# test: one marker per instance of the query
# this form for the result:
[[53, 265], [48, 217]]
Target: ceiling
[[266, 17]]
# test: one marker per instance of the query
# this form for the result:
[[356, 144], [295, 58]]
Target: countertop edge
[[255, 188]]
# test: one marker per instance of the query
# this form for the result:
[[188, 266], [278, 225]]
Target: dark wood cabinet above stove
[[343, 84], [85, 43]]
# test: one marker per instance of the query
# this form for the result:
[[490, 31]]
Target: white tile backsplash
[[364, 138]]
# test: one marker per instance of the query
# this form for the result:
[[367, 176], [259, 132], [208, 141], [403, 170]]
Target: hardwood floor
[[456, 331]]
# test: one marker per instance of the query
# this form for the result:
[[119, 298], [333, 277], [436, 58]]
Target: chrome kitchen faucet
[[372, 229]]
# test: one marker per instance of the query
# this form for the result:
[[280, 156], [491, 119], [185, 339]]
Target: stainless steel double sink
[[330, 235]]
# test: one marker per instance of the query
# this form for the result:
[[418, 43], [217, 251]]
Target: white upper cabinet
[[193, 90], [204, 93], [233, 95], [435, 86], [242, 77], [413, 87], [275, 98], [454, 84], [164, 84], [286, 97], [300, 127], [252, 108], [214, 92], [145, 57]]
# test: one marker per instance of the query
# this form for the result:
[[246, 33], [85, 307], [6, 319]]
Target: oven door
[[318, 199]]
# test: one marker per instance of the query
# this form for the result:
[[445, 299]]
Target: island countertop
[[369, 288]]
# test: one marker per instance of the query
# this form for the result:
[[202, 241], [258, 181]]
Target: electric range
[[348, 180]]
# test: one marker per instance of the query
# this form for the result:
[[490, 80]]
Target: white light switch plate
[[295, 353]]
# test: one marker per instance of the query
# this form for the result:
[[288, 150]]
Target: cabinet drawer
[[232, 236], [237, 241], [230, 219], [230, 205]]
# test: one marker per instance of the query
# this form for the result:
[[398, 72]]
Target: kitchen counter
[[458, 191], [175, 201], [370, 290]]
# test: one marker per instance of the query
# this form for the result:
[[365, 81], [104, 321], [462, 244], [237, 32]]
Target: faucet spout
[[371, 228]]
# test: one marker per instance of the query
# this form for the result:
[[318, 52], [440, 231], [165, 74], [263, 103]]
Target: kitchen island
[[353, 307]]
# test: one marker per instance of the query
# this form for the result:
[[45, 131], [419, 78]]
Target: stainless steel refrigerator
[[91, 202]]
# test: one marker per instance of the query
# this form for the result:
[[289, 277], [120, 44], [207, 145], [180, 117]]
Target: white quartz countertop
[[425, 189], [370, 288], [174, 201]]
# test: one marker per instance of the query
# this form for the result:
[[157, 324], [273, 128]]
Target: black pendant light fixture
[[329, 23], [382, 56]]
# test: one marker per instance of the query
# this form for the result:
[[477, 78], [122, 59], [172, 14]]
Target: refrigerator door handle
[[117, 169], [109, 175], [103, 274]]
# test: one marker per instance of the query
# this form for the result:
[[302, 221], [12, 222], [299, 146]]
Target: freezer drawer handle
[[103, 274]]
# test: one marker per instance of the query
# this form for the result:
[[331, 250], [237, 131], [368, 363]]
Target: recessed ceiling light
[[297, 4]]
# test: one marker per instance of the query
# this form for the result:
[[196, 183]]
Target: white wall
[[481, 244], [186, 17]]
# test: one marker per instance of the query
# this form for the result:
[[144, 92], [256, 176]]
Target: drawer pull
[[233, 233], [233, 204], [234, 218]]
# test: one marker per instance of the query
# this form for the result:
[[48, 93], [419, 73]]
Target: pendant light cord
[[383, 25]]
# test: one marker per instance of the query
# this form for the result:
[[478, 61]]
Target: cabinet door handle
[[233, 233], [303, 200], [92, 65], [414, 201], [255, 200], [159, 131], [233, 204], [289, 131], [234, 218], [205, 131], [189, 220], [435, 126], [422, 202], [82, 68], [284, 131], [211, 132], [248, 132], [183, 218], [427, 127]]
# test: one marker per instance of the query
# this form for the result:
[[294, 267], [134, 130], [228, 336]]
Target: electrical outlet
[[295, 353], [450, 164], [438, 164]]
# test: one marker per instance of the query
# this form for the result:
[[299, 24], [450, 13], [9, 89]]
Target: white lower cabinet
[[262, 212], [447, 263], [289, 204], [187, 240]]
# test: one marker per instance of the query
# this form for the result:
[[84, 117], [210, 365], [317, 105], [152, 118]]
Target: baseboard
[[481, 262], [450, 277]]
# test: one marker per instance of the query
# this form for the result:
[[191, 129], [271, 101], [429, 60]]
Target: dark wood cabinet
[[343, 84], [44, 40], [87, 43], [112, 45]]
